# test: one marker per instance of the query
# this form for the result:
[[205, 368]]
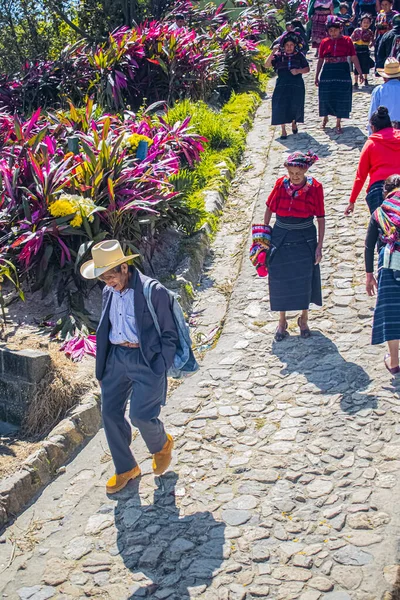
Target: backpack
[[184, 363]]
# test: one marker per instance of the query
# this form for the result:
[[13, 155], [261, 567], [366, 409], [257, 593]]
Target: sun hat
[[391, 68], [106, 255]]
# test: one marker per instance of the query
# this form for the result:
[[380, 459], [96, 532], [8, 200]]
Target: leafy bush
[[152, 61], [56, 203], [225, 131]]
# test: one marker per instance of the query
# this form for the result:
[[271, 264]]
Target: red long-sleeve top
[[380, 158]]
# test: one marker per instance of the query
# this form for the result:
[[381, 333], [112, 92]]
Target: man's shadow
[[320, 361], [174, 553]]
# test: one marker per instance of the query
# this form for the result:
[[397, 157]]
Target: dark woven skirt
[[318, 28], [374, 196], [294, 279], [335, 90], [364, 56], [386, 325], [288, 99], [376, 47]]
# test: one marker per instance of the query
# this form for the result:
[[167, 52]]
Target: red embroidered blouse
[[308, 204], [342, 46]]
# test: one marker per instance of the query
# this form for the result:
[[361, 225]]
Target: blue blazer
[[158, 352]]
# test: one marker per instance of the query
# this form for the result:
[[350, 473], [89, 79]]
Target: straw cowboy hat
[[106, 255], [391, 68]]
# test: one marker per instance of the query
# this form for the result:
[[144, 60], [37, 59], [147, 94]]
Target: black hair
[[391, 184], [297, 24], [390, 1], [179, 17], [380, 119]]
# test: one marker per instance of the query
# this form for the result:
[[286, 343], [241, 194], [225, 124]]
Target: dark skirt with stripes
[[386, 325], [364, 56], [294, 279], [374, 196], [288, 99], [335, 90]]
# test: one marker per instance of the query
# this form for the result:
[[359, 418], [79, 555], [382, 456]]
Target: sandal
[[280, 335], [304, 333], [295, 130], [324, 122], [283, 137], [339, 130], [394, 370]]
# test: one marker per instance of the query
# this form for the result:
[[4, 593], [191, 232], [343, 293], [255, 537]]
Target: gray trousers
[[126, 376]]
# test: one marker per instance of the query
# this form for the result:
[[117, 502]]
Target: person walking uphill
[[379, 158], [335, 87], [295, 251], [385, 224], [132, 360], [289, 93]]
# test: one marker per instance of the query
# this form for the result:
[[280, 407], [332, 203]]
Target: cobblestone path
[[286, 473]]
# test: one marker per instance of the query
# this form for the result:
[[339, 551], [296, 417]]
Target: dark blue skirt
[[374, 196], [288, 99], [364, 57], [335, 90], [386, 325], [294, 279]]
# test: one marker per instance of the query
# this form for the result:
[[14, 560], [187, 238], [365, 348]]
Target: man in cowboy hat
[[131, 361], [388, 93]]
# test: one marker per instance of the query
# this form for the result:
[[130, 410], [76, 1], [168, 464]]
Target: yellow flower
[[133, 141], [79, 206], [77, 220], [61, 208]]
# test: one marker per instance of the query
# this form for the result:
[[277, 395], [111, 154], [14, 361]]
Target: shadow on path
[[348, 137], [305, 141], [319, 360], [175, 553]]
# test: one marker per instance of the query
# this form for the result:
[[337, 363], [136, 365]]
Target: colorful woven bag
[[261, 242]]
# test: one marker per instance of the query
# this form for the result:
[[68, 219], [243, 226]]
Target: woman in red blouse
[[295, 254], [335, 87]]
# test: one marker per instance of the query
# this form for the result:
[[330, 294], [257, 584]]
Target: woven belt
[[303, 225], [128, 345], [335, 59]]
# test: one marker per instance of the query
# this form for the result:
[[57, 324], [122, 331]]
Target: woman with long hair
[[379, 158], [296, 247], [335, 87], [385, 226]]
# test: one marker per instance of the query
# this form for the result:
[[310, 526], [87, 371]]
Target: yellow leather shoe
[[162, 459], [117, 482]]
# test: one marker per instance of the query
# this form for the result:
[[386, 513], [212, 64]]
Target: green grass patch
[[226, 131]]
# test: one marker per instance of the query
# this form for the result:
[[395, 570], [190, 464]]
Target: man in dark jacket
[[390, 44], [132, 361]]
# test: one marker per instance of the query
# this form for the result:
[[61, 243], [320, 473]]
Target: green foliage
[[225, 131]]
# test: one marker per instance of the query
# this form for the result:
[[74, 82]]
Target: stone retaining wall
[[20, 372]]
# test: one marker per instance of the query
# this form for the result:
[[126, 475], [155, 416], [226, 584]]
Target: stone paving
[[286, 471]]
